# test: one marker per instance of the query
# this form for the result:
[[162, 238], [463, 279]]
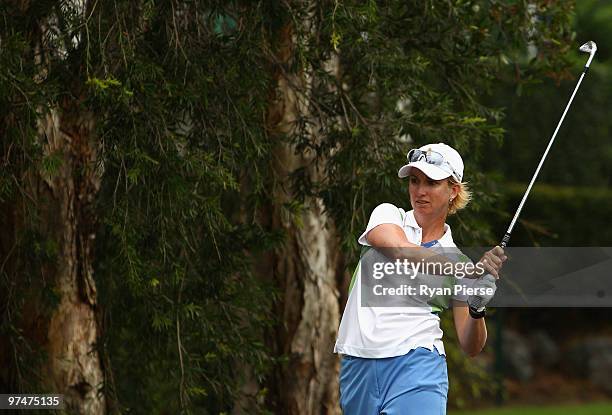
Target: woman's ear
[[454, 188]]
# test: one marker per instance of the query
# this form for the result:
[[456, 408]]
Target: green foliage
[[582, 152], [417, 72], [598, 408], [173, 244], [555, 215], [468, 381]]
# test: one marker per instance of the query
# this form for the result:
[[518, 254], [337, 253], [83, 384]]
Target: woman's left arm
[[471, 332]]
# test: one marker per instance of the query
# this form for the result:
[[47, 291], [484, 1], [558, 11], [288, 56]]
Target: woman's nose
[[420, 189]]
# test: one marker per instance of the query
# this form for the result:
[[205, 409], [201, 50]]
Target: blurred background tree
[[183, 183]]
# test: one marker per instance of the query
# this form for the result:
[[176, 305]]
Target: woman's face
[[430, 197]]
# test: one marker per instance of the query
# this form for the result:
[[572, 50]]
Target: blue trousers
[[413, 384]]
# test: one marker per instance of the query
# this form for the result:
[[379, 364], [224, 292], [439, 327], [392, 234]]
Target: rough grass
[[600, 408]]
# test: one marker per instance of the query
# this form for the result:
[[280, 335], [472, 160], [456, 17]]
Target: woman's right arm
[[384, 232], [388, 235], [392, 241]]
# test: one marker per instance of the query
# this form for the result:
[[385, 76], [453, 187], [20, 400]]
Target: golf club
[[590, 48]]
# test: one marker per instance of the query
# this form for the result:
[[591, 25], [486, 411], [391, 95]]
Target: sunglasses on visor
[[434, 158]]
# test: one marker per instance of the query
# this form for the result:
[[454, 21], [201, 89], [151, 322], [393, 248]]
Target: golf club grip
[[505, 240]]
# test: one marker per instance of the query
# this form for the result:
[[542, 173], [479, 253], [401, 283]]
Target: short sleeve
[[383, 213]]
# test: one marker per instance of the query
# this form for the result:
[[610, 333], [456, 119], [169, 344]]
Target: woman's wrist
[[476, 314]]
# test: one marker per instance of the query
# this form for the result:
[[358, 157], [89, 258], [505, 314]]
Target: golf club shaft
[[506, 237]]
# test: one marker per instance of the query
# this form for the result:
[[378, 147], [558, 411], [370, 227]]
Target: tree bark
[[65, 199], [305, 269]]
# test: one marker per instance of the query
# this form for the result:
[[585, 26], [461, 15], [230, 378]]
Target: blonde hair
[[463, 196]]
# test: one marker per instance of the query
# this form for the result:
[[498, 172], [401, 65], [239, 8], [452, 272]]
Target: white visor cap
[[452, 165]]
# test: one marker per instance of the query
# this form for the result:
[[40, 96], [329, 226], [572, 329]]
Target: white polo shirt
[[378, 332]]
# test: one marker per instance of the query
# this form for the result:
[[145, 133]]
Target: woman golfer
[[393, 357]]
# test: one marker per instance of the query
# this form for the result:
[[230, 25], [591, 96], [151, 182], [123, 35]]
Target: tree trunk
[[62, 189], [65, 199], [305, 269]]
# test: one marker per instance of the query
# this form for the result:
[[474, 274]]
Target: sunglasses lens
[[430, 157], [435, 158]]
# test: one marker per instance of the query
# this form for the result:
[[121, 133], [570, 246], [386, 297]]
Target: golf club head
[[589, 47]]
